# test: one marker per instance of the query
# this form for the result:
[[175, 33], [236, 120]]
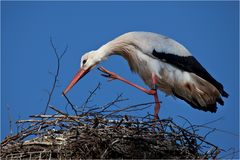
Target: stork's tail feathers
[[200, 94]]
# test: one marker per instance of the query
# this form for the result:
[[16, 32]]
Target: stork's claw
[[102, 69], [110, 78], [105, 75], [110, 75]]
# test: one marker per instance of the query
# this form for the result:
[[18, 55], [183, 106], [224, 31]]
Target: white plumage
[[174, 69], [147, 42]]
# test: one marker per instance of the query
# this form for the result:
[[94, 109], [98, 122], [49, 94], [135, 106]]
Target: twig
[[90, 96], [126, 108], [10, 120], [216, 129], [59, 57], [116, 100], [205, 136], [229, 154], [54, 116], [190, 124], [69, 102], [57, 110], [213, 121], [61, 112], [106, 106]]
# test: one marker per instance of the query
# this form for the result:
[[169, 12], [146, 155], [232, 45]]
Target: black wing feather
[[190, 64]]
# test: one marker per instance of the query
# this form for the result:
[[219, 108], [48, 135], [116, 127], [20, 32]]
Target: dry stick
[[53, 116], [28, 120], [219, 130], [59, 57], [90, 96], [117, 99], [213, 121], [46, 116], [126, 108], [85, 103], [21, 135], [140, 109], [10, 120], [229, 154], [207, 135], [54, 122], [190, 124], [69, 102], [61, 112], [106, 106], [197, 137]]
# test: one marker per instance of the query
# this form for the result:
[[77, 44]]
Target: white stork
[[163, 64]]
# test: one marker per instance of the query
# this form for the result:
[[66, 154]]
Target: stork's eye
[[84, 61]]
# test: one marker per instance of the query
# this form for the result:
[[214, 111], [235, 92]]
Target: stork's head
[[88, 62]]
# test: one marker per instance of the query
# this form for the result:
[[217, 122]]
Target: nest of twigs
[[92, 135]]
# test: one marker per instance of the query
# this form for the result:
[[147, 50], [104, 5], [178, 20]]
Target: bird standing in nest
[[163, 64]]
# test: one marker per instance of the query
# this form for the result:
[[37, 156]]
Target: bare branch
[[10, 120], [129, 107], [69, 102], [92, 93], [58, 57], [61, 112]]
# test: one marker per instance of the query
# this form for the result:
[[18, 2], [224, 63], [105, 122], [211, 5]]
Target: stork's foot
[[110, 75], [113, 76]]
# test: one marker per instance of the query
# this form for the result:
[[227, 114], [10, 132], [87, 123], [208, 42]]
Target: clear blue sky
[[208, 29]]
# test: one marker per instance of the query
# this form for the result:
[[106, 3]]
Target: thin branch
[[213, 121], [58, 57], [229, 154], [190, 124], [90, 96], [61, 112], [117, 99], [129, 107], [69, 102], [10, 120]]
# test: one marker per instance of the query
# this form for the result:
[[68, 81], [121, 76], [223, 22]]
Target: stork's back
[[148, 41]]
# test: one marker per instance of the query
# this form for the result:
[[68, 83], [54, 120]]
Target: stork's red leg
[[114, 76], [153, 92], [157, 102]]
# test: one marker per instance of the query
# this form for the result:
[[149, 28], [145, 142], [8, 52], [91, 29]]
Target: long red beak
[[81, 73]]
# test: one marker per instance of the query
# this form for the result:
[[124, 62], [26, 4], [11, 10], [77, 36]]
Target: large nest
[[95, 135]]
